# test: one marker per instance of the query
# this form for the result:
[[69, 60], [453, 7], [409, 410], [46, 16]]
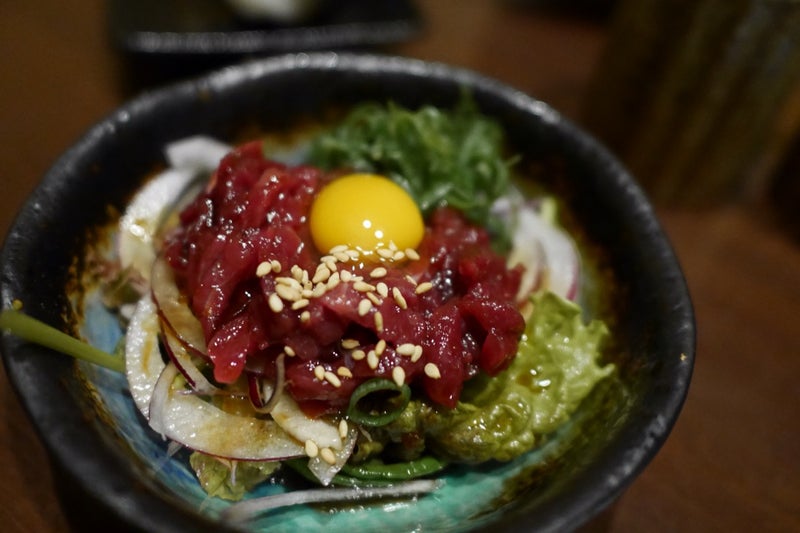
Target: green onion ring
[[373, 386]]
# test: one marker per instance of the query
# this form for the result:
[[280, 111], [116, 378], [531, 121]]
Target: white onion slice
[[144, 216], [199, 153], [142, 355], [201, 426], [325, 471], [160, 397], [291, 418]]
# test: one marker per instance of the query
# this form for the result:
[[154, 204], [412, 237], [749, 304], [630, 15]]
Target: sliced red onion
[[182, 360], [549, 249], [174, 310], [263, 396]]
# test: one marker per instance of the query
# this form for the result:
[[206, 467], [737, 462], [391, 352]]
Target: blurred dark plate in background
[[211, 27]]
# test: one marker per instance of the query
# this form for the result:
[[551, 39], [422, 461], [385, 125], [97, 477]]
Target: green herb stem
[[38, 332], [377, 470]]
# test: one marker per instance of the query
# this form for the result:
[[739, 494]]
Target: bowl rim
[[608, 478]]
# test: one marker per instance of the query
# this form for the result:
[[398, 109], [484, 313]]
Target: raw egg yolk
[[365, 212]]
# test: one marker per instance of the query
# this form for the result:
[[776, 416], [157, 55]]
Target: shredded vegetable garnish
[[38, 332], [250, 509]]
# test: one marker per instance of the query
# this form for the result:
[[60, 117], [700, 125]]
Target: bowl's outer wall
[[112, 158]]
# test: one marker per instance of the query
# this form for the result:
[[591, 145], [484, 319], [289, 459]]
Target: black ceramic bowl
[[640, 289]]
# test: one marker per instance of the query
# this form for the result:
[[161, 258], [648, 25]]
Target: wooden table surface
[[731, 463]]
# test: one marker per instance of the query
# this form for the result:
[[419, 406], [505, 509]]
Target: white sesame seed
[[380, 347], [358, 355], [342, 257], [374, 298], [318, 290], [276, 265], [382, 289], [399, 256], [432, 371], [399, 299], [319, 372], [399, 375], [378, 317], [385, 253], [344, 372], [412, 254], [333, 379], [312, 450], [287, 281], [275, 303], [378, 272], [330, 262], [307, 293], [406, 348], [372, 359], [322, 274], [425, 286], [297, 272], [264, 268], [346, 275], [305, 316], [338, 248], [363, 286], [299, 304], [287, 293], [343, 428], [328, 456], [349, 344], [353, 254], [417, 353], [288, 350], [364, 307], [392, 246], [333, 281], [411, 280]]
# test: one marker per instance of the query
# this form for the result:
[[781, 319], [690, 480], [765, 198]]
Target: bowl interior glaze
[[80, 411]]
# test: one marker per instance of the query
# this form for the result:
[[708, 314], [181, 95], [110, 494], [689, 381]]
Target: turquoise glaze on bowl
[[120, 470]]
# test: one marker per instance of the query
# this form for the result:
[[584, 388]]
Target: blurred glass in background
[[700, 98]]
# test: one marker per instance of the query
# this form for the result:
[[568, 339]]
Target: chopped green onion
[[377, 470], [38, 332], [370, 407]]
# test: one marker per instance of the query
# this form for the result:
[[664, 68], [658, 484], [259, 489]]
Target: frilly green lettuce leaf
[[502, 417]]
